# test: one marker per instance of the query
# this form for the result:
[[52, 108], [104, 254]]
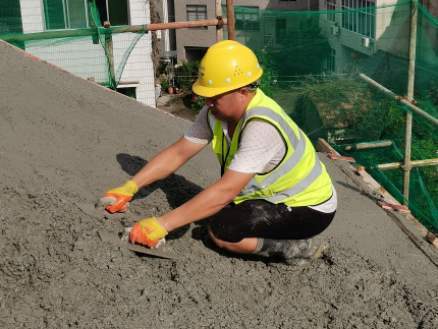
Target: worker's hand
[[148, 232], [117, 199]]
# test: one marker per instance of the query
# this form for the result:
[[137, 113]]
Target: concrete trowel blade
[[162, 252]]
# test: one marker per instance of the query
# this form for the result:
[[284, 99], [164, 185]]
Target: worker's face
[[227, 106]]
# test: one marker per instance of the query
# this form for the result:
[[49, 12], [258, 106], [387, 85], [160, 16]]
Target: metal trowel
[[162, 251]]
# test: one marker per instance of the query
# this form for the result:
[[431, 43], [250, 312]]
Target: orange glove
[[117, 199], [148, 232]]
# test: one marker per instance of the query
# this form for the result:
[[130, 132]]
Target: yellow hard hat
[[226, 66]]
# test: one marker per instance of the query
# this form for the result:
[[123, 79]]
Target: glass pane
[[196, 12], [76, 14], [10, 16], [54, 14], [118, 12]]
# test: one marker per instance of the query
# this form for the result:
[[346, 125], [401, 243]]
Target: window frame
[[197, 14], [190, 9], [108, 13], [67, 18], [359, 16], [331, 8]]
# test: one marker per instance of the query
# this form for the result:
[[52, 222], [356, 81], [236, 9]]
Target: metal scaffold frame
[[409, 102]]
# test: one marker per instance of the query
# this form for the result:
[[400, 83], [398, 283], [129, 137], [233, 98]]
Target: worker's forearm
[[204, 204], [162, 165]]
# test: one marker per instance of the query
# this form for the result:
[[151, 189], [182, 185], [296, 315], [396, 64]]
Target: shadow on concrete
[[177, 189], [349, 186]]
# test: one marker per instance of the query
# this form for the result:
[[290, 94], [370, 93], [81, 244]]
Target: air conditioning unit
[[366, 42], [334, 30]]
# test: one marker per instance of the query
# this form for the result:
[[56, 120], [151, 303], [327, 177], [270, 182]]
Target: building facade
[[84, 56], [190, 44], [366, 28]]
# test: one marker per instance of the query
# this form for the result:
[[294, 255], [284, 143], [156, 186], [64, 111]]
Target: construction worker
[[274, 195]]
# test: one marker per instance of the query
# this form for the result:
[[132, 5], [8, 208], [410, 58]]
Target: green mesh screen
[[312, 61], [93, 52]]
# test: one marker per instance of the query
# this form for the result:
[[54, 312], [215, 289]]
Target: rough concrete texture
[[64, 141]]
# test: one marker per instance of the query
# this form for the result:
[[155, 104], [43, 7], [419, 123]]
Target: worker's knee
[[218, 242], [226, 230], [244, 246], [230, 246]]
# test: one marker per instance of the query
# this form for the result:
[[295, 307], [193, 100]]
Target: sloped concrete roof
[[64, 141]]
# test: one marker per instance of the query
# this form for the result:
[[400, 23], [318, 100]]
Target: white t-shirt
[[261, 148]]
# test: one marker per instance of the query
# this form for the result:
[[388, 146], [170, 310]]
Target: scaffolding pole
[[219, 29], [410, 95], [402, 100], [414, 163], [412, 108], [110, 54], [114, 29], [231, 20]]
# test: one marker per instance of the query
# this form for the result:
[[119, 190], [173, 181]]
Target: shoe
[[316, 249], [310, 250]]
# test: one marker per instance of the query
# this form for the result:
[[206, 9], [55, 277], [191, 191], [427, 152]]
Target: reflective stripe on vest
[[300, 186], [284, 167], [298, 144]]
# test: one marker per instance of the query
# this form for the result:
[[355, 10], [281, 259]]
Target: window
[[331, 7], [196, 12], [359, 16], [194, 54], [65, 14], [367, 18], [128, 91], [72, 14], [113, 11], [10, 16], [247, 18]]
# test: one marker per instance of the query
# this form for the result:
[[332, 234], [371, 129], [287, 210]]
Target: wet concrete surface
[[65, 141]]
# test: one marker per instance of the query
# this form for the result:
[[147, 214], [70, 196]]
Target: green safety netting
[[312, 61], [95, 52]]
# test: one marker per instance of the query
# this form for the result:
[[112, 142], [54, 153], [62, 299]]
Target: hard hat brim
[[203, 91]]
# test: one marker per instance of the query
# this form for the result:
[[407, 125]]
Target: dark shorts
[[261, 219]]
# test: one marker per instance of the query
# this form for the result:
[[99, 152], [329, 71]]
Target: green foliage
[[267, 80], [303, 50], [193, 102], [186, 74], [197, 103], [363, 114], [165, 85]]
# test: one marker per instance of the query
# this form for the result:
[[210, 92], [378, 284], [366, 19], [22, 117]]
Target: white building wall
[[79, 56], [86, 59], [391, 29], [32, 15], [139, 66]]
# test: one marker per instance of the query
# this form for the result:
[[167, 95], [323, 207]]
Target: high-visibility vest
[[300, 179]]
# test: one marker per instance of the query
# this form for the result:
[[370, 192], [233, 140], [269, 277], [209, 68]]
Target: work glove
[[148, 232], [117, 199]]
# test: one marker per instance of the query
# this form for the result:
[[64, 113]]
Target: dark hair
[[252, 86]]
